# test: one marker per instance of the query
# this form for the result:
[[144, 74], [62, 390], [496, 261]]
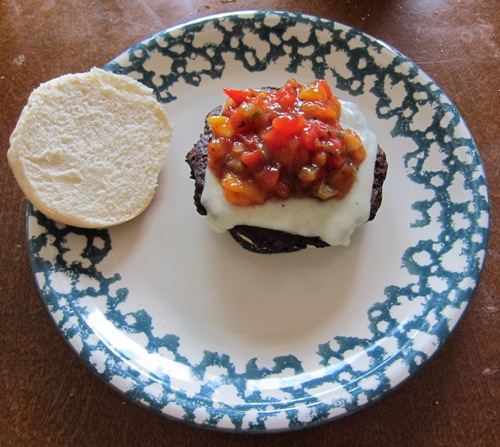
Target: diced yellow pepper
[[313, 92], [221, 126], [352, 141], [316, 110], [355, 150], [240, 192]]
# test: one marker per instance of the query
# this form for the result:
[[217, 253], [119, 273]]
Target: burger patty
[[265, 240]]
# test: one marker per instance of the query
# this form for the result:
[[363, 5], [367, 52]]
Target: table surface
[[48, 396]]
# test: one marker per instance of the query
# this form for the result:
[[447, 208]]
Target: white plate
[[189, 324]]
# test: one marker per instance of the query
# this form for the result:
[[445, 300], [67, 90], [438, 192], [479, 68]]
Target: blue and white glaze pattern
[[407, 322]]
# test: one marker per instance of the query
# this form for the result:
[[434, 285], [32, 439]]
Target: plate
[[187, 323]]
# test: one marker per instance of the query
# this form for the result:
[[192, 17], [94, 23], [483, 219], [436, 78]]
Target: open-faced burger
[[285, 168]]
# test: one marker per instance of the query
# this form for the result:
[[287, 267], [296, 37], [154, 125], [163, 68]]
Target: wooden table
[[49, 398]]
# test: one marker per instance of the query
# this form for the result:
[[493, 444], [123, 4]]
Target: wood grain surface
[[49, 398]]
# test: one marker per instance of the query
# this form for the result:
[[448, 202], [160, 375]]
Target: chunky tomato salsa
[[275, 144]]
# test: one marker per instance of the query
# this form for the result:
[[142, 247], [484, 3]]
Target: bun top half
[[88, 148]]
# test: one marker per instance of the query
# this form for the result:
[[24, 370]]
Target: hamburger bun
[[88, 148]]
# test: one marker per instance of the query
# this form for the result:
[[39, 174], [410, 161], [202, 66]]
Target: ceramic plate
[[189, 324]]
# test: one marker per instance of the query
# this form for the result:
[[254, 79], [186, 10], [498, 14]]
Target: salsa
[[275, 144]]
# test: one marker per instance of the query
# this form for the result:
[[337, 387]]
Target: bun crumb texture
[[88, 148]]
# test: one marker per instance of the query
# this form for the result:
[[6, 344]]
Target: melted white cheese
[[334, 221]]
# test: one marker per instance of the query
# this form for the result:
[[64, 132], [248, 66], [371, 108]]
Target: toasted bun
[[88, 148]]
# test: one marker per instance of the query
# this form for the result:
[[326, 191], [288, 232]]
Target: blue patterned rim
[[445, 267]]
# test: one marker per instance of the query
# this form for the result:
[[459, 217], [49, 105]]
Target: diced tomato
[[289, 124], [238, 96], [309, 137], [283, 190], [268, 177], [286, 96], [334, 158], [334, 144], [252, 158], [274, 139], [249, 140], [292, 156]]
